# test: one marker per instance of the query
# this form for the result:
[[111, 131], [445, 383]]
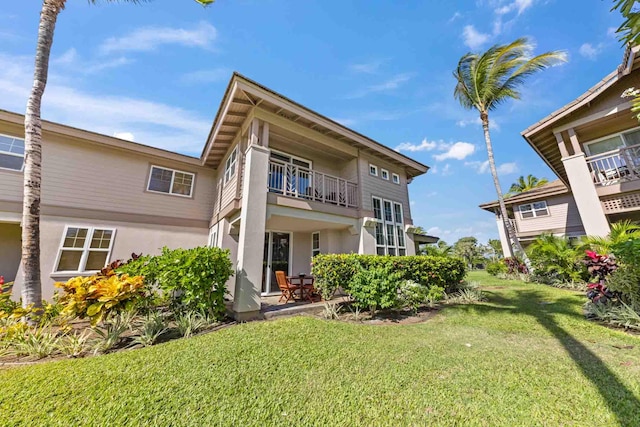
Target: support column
[[253, 217], [584, 192], [507, 250]]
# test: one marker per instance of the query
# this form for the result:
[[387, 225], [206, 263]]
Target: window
[[534, 210], [373, 170], [169, 181], [230, 165], [84, 249], [213, 236], [11, 153], [389, 228], [315, 244], [613, 142], [384, 174], [396, 178]]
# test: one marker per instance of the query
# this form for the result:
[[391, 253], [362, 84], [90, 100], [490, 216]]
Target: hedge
[[336, 270]]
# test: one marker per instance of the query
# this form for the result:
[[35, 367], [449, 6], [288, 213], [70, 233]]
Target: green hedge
[[337, 270]]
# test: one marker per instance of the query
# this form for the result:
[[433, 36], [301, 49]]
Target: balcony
[[296, 181], [615, 166]]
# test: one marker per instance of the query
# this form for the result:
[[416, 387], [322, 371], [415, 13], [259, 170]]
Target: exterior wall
[[563, 218], [301, 257], [376, 186], [10, 250], [129, 238]]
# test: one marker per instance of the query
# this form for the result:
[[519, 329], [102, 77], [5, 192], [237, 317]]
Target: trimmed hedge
[[337, 270]]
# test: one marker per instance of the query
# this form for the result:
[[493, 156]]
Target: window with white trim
[[384, 174], [373, 170], [534, 210], [395, 178], [315, 244], [389, 227], [11, 153], [213, 236], [613, 142], [230, 165], [84, 249], [170, 181]]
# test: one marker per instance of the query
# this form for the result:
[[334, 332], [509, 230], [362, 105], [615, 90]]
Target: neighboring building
[[593, 146], [276, 184]]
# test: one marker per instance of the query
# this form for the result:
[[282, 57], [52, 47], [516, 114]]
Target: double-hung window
[[315, 244], [396, 178], [231, 165], [84, 249], [389, 227], [11, 153], [534, 210], [170, 181]]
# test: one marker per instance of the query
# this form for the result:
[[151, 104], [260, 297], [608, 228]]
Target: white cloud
[[72, 60], [128, 136], [389, 85], [493, 123], [152, 123], [150, 38], [454, 17], [590, 51], [213, 75], [423, 146], [69, 57], [457, 151], [366, 67], [446, 170], [517, 5], [508, 168], [483, 167], [612, 32], [473, 38]]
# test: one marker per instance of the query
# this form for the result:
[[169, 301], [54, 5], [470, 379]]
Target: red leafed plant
[[599, 266]]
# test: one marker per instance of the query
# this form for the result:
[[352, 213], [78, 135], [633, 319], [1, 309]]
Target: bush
[[626, 279], [556, 260], [515, 266], [375, 288], [194, 279], [496, 267], [333, 271]]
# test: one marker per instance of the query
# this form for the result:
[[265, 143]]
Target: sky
[[156, 72]]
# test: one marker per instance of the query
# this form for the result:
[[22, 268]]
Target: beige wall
[[129, 238], [563, 215], [10, 249], [376, 186]]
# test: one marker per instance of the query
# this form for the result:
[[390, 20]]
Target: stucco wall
[[9, 250]]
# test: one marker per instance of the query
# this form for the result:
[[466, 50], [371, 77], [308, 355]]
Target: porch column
[[507, 250], [253, 217], [584, 191]]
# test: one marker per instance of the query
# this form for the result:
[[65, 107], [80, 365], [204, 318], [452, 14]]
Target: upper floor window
[[11, 153], [534, 210], [84, 249], [373, 170], [384, 174], [396, 178], [389, 229], [230, 165], [613, 142], [170, 181]]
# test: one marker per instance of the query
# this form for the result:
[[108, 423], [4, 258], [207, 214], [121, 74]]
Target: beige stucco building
[[593, 145], [276, 184]]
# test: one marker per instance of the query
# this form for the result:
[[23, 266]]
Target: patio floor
[[271, 307]]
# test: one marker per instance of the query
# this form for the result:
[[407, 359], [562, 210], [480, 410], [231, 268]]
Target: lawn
[[525, 357]]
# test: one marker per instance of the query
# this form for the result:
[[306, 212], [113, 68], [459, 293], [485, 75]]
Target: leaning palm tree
[[484, 81], [525, 184], [32, 286]]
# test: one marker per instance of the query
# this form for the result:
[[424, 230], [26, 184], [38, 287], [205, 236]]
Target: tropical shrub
[[496, 267], [194, 279], [75, 344], [190, 322], [620, 232], [375, 288], [150, 328], [413, 295], [36, 342], [626, 279], [97, 296], [555, 260], [515, 266], [7, 305], [111, 330]]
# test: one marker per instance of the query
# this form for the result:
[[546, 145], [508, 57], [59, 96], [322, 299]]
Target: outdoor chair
[[286, 287]]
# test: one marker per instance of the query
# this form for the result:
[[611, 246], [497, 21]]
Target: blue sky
[[156, 72]]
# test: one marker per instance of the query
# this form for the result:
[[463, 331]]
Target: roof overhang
[[529, 196], [245, 98]]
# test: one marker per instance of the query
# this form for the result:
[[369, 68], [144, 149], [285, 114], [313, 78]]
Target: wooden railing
[[296, 181], [615, 166]]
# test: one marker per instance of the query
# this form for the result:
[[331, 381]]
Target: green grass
[[525, 357]]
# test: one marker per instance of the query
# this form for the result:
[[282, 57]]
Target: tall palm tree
[[484, 81], [525, 184], [32, 287]]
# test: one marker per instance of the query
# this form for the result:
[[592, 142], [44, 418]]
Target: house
[[276, 184], [593, 145]]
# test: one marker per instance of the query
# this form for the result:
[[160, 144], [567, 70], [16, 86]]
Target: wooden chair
[[286, 287]]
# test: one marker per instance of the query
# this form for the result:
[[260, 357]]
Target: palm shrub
[[556, 260], [620, 232]]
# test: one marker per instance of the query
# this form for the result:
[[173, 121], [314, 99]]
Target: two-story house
[[593, 145], [276, 184]]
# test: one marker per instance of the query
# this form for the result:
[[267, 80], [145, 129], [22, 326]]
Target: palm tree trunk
[[32, 286], [511, 232]]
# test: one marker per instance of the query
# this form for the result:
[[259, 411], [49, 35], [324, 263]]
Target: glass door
[[277, 251]]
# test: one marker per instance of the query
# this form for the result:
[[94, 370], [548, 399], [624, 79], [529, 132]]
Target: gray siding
[[563, 215], [376, 186]]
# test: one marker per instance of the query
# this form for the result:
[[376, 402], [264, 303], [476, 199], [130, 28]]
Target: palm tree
[[630, 29], [525, 184], [620, 232], [32, 287], [485, 81]]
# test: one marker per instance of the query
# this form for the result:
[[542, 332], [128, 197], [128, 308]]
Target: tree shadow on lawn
[[619, 399]]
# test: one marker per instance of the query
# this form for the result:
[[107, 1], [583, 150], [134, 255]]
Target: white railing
[[615, 166], [296, 181]]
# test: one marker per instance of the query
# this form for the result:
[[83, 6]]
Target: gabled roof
[[244, 95], [553, 188]]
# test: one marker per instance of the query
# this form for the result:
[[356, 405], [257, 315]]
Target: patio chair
[[286, 287]]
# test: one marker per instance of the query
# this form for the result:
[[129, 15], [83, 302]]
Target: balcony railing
[[615, 166], [296, 181]]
